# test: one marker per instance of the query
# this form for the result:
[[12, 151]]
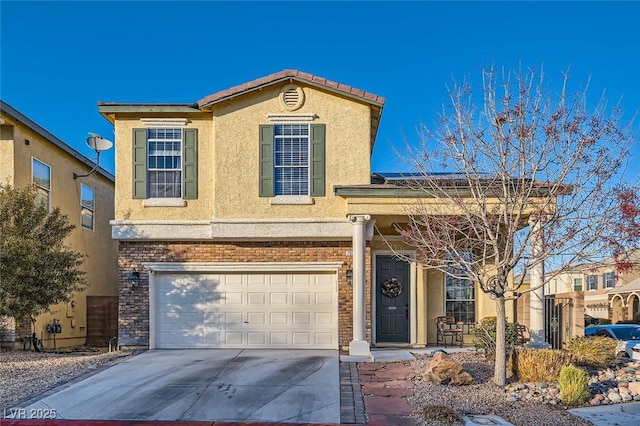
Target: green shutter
[[190, 164], [139, 163], [317, 160], [267, 186]]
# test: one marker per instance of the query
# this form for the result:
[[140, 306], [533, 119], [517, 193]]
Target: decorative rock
[[595, 401], [634, 388], [615, 397], [626, 397], [623, 384], [444, 370]]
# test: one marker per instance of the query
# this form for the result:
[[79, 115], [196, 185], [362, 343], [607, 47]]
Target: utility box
[[55, 328]]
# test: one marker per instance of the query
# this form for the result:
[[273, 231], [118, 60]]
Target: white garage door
[[246, 311]]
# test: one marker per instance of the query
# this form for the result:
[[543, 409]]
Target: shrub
[[440, 414], [485, 333], [604, 321], [540, 365], [574, 385], [596, 351]]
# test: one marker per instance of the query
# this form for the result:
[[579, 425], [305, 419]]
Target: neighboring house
[[29, 155], [251, 219], [624, 297], [607, 293]]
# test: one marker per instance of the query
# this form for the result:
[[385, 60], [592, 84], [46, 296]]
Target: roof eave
[[17, 115]]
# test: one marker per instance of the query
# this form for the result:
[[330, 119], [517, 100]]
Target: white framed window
[[460, 294], [41, 178], [609, 280], [592, 282], [164, 161], [87, 207], [577, 284], [291, 159]]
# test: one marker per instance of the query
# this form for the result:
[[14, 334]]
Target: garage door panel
[[324, 318], [234, 298], [279, 318], [301, 298], [279, 338], [257, 318], [256, 338], [246, 310], [323, 298], [279, 298], [278, 280], [301, 338], [234, 338]]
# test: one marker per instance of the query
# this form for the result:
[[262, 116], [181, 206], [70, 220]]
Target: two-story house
[[604, 292], [30, 155], [251, 218]]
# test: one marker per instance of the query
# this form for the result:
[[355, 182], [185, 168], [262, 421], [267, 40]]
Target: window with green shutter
[[165, 163], [292, 160]]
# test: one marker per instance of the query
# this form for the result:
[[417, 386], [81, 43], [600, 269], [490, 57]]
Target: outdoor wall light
[[134, 279], [350, 276]]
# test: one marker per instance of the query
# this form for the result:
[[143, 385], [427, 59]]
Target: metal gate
[[557, 320]]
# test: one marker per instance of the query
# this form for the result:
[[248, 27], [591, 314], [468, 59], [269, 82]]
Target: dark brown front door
[[392, 300]]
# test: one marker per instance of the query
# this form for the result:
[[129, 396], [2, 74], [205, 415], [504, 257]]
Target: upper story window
[[592, 282], [41, 178], [87, 206], [577, 284], [165, 163], [609, 280], [291, 159]]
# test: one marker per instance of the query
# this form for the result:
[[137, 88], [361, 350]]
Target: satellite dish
[[98, 143]]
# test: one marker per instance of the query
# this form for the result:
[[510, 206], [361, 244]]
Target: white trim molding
[[322, 229], [164, 202], [243, 266], [290, 200], [164, 122], [291, 118]]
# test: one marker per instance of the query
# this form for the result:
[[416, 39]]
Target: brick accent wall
[[133, 312]]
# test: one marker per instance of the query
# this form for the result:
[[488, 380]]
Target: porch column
[[536, 276], [359, 345]]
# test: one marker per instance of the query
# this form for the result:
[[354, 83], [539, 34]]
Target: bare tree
[[514, 175]]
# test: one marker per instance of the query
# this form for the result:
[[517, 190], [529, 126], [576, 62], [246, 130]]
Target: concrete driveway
[[202, 384]]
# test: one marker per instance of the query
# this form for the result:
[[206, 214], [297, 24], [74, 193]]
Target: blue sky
[[59, 58]]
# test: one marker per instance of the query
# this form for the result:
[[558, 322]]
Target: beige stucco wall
[[101, 250], [127, 208], [6, 153], [228, 150]]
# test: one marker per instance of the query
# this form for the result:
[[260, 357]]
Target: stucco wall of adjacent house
[[6, 153], [101, 251], [228, 157]]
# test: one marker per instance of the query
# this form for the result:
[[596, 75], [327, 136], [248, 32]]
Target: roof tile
[[287, 73]]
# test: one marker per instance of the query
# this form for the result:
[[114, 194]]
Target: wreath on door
[[391, 287]]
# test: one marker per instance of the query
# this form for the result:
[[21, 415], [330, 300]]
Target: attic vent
[[291, 97]]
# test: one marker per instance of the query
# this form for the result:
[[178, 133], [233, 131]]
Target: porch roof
[[627, 288]]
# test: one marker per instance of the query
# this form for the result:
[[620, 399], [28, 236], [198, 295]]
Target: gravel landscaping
[[481, 398], [25, 373]]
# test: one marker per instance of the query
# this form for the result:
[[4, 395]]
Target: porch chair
[[448, 328], [524, 336]]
